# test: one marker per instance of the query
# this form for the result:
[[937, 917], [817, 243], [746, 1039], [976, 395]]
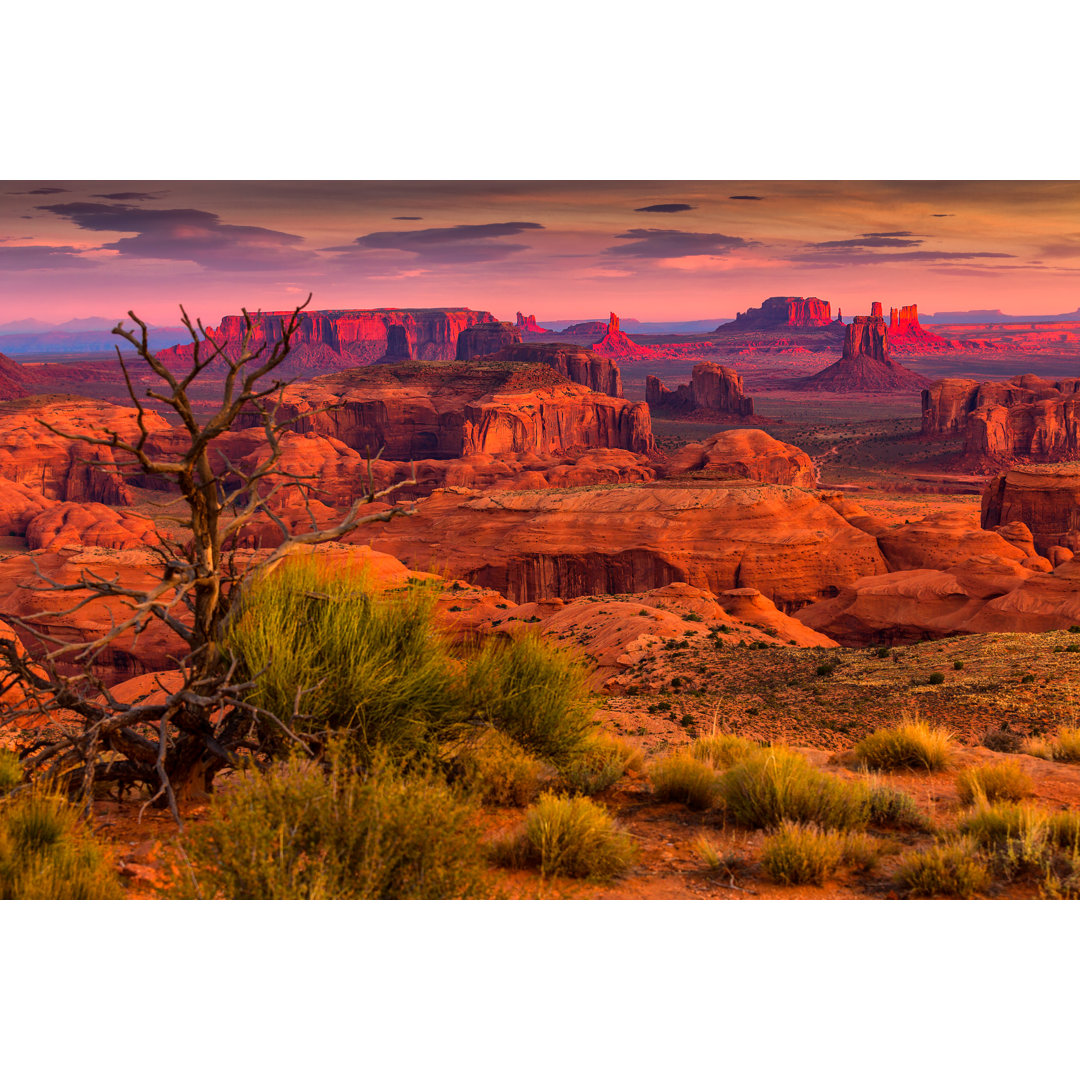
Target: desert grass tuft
[[1040, 748], [722, 750], [569, 835], [1065, 745], [47, 852], [303, 830], [11, 771], [802, 854], [683, 778], [891, 807], [602, 762], [777, 784], [948, 870], [993, 783], [498, 771], [912, 745]]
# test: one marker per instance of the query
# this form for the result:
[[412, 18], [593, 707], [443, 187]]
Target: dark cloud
[[900, 239], [664, 208], [41, 257], [1066, 247], [189, 235], [453, 244], [132, 196], [943, 215], [41, 191], [403, 218], [861, 256], [673, 244], [748, 198]]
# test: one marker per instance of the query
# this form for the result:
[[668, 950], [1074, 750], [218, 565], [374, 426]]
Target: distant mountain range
[[31, 337], [633, 326], [995, 316]]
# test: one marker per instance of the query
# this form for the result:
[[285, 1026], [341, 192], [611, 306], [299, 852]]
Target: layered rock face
[[745, 454], [486, 338], [13, 382], [782, 311], [906, 335], [1045, 498], [419, 411], [865, 365], [713, 389], [334, 340], [527, 325], [398, 346], [1027, 418], [596, 327], [578, 364], [785, 542]]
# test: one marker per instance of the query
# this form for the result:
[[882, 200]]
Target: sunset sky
[[663, 250]]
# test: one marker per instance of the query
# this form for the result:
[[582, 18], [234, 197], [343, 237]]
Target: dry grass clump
[[48, 853], [912, 745], [498, 771], [775, 784], [993, 783], [950, 870], [11, 771], [308, 831], [1040, 748], [683, 778], [602, 761], [569, 835], [721, 750], [1064, 746], [889, 806], [714, 859], [802, 854], [536, 694]]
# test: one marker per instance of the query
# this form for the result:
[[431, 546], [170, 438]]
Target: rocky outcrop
[[578, 364], [744, 454], [865, 366], [399, 347], [596, 329], [713, 389], [906, 335], [486, 338], [1045, 498], [527, 325], [781, 311], [411, 412], [13, 381], [783, 541], [616, 343], [1026, 419], [88, 525], [335, 340]]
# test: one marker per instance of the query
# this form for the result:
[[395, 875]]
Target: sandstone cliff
[[781, 311], [713, 389], [486, 338], [335, 340], [744, 454], [578, 364], [1045, 498], [527, 325]]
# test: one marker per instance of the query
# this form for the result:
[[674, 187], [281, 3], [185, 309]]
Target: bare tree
[[176, 739]]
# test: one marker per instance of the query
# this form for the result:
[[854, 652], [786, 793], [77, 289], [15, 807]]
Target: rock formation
[[712, 389], [578, 364], [527, 325], [1045, 498], [616, 343], [416, 411], [335, 340], [786, 542], [597, 328], [865, 365], [486, 338], [399, 347], [906, 335], [1027, 418], [781, 311], [13, 381], [744, 454]]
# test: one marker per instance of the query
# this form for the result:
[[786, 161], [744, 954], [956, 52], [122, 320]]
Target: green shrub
[[777, 784], [911, 745], [722, 751], [802, 854], [825, 669], [683, 778], [958, 665], [305, 831], [952, 870], [993, 783], [860, 851], [936, 679], [572, 836], [536, 694], [887, 806], [11, 771], [498, 771], [365, 663], [602, 762], [48, 853]]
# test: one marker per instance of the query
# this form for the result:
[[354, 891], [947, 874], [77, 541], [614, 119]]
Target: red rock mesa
[[781, 311], [713, 389]]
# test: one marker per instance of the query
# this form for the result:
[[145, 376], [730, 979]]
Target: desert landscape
[[466, 606]]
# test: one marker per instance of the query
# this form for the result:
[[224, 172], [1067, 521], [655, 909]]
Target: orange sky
[[662, 250]]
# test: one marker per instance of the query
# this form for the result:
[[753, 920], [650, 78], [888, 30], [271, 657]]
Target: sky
[[650, 250]]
